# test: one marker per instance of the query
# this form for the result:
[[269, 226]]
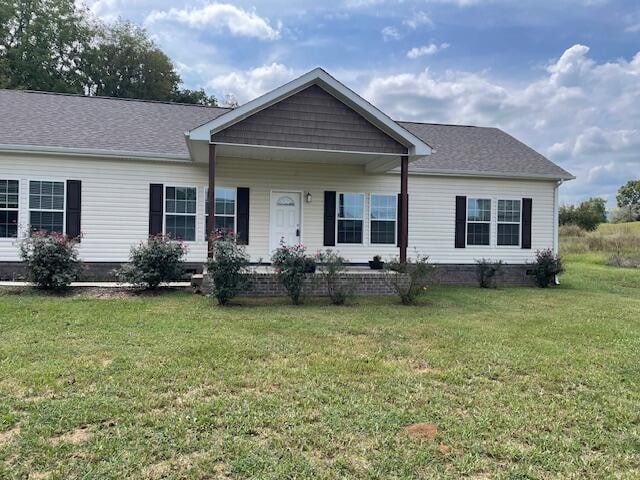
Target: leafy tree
[[43, 45], [629, 198], [54, 45], [587, 215], [197, 97], [126, 63]]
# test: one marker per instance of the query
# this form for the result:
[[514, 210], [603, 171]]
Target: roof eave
[[92, 153], [506, 175]]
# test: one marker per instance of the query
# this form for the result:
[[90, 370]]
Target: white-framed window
[[225, 208], [383, 216], [46, 205], [180, 213], [509, 218], [478, 221], [9, 205], [350, 217]]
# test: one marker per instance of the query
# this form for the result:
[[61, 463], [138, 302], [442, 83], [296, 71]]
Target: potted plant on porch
[[376, 263]]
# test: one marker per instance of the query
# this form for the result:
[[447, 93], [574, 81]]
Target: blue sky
[[563, 75]]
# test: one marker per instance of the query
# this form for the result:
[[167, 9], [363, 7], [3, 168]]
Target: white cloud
[[430, 49], [238, 22], [417, 20], [390, 33], [245, 85], [581, 113]]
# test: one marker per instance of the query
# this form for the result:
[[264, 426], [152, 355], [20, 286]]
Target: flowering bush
[[228, 267], [153, 262], [332, 266], [291, 264], [408, 279], [547, 267], [51, 260]]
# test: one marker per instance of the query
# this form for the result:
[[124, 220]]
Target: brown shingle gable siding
[[311, 118]]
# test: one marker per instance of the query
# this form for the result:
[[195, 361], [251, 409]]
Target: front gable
[[310, 119]]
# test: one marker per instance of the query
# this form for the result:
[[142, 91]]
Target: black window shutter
[[74, 206], [461, 221], [156, 208], [526, 222], [329, 219], [242, 215]]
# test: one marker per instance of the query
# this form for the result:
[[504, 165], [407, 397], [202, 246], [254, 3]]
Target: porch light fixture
[[309, 197]]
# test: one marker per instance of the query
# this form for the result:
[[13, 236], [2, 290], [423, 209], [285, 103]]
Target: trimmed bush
[[409, 279], [332, 266], [291, 264], [158, 260], [547, 267], [228, 268], [487, 271], [51, 260]]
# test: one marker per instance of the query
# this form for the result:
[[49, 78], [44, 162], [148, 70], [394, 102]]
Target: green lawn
[[519, 383]]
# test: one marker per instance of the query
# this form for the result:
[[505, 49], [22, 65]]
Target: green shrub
[[487, 271], [292, 265], [228, 268], [158, 260], [409, 279], [332, 266], [51, 260], [547, 267]]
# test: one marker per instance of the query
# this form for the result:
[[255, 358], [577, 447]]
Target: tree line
[[593, 211], [58, 46]]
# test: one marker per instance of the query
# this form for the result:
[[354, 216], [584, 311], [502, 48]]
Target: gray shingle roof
[[98, 123], [479, 149]]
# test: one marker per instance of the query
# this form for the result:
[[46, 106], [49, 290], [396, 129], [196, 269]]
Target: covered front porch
[[312, 163]]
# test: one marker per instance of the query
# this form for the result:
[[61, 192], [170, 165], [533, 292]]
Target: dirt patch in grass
[[423, 367], [179, 464], [7, 436], [74, 437], [423, 430], [39, 475]]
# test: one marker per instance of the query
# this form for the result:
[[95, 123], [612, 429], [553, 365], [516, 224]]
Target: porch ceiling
[[372, 162]]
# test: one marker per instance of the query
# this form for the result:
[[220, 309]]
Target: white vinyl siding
[[108, 233]]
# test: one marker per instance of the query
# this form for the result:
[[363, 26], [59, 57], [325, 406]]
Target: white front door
[[285, 219]]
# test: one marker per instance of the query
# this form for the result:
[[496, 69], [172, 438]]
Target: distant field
[[609, 239]]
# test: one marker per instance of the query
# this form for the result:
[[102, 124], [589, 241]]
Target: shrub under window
[[158, 260], [51, 260]]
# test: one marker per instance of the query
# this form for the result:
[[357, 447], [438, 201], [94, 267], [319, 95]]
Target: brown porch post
[[404, 208], [211, 196]]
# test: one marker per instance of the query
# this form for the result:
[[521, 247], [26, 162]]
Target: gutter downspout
[[556, 219]]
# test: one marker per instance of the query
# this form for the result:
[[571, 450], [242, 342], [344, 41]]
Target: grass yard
[[513, 383]]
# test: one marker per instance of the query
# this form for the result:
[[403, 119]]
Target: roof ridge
[[440, 124], [105, 97]]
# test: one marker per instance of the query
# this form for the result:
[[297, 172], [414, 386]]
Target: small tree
[[547, 267], [628, 213], [291, 265], [487, 271], [228, 269], [332, 266], [51, 260], [629, 194], [408, 279], [158, 260], [587, 215]]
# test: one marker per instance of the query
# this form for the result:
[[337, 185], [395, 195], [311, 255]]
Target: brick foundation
[[91, 271]]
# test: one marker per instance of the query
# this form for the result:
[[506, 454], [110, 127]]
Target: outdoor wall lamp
[[309, 197]]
